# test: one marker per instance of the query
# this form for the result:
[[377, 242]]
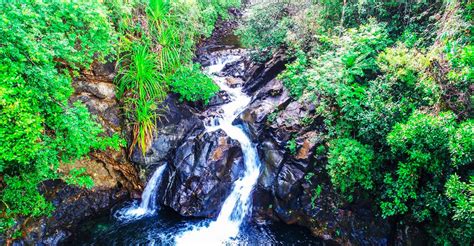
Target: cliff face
[[115, 178]]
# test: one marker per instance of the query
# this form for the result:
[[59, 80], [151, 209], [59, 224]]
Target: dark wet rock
[[410, 235], [235, 69], [297, 200], [271, 157], [295, 188], [258, 75], [176, 122], [95, 88], [286, 180], [73, 205], [267, 100], [307, 143], [289, 122], [204, 59], [202, 173], [233, 82], [220, 98], [110, 169]]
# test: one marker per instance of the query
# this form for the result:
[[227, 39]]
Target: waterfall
[[238, 204], [148, 204]]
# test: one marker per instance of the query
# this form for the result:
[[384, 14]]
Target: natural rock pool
[[165, 225]]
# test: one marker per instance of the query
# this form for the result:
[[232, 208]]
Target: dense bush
[[394, 87], [338, 78], [192, 85], [421, 147], [42, 45], [425, 162], [402, 87], [351, 165], [294, 77], [266, 27]]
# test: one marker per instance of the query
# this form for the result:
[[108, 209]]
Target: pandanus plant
[[138, 74], [158, 10]]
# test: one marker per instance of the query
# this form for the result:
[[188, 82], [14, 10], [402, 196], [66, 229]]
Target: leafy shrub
[[393, 96], [389, 102], [337, 79], [421, 146], [460, 228], [265, 27], [80, 178], [42, 46], [192, 85], [138, 76], [306, 121], [292, 146], [463, 195], [294, 77], [427, 148], [461, 144], [350, 165], [272, 116], [158, 9]]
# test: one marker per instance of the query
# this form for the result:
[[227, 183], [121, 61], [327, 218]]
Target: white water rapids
[[238, 204], [148, 204]]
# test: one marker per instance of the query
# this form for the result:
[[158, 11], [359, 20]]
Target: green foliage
[[294, 77], [138, 74], [350, 165], [394, 88], [307, 121], [157, 56], [337, 78], [292, 146], [461, 144], [158, 9], [421, 147], [79, 178], [192, 85], [42, 45], [265, 27], [463, 195], [211, 10], [272, 116], [392, 97]]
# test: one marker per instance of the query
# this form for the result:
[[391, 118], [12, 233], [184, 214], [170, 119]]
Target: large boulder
[[177, 120], [260, 74], [271, 158], [269, 99], [202, 173]]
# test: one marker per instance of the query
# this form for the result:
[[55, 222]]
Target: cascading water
[[143, 224], [238, 204], [148, 204]]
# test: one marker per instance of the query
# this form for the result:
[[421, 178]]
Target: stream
[[146, 223]]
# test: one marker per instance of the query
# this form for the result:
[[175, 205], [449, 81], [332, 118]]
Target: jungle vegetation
[[393, 83]]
